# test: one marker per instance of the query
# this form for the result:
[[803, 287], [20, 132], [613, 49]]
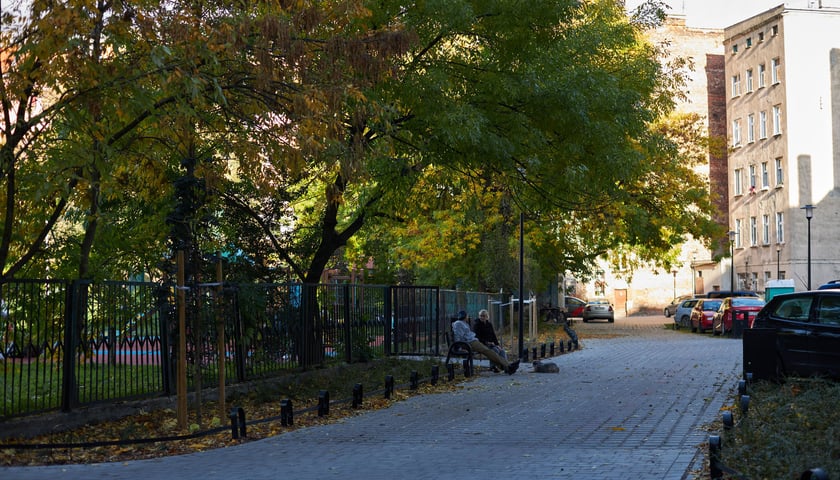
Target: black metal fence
[[67, 344]]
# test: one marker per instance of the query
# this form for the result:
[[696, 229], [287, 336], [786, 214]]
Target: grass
[[787, 429]]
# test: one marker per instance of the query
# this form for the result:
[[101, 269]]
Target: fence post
[[388, 315], [72, 311], [348, 336]]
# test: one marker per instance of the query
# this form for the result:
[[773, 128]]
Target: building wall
[[801, 41]]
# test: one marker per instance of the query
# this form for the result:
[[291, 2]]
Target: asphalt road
[[632, 403]]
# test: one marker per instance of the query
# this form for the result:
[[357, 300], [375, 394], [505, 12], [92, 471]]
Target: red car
[[703, 314], [722, 321]]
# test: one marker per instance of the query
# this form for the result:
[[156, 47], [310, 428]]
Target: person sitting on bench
[[486, 334], [463, 333]]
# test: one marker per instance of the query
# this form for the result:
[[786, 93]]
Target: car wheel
[[611, 320], [693, 328], [700, 327], [667, 313], [684, 321]]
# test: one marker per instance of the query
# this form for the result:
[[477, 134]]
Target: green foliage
[[413, 135], [789, 429]]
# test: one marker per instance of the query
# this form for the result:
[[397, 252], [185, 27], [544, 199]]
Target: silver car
[[598, 309], [682, 314]]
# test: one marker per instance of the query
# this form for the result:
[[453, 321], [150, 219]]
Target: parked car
[[830, 285], [574, 307], [682, 315], [598, 309], [672, 307], [731, 293], [703, 313], [722, 321], [806, 329]]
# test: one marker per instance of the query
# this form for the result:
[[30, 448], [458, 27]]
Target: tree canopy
[[287, 133]]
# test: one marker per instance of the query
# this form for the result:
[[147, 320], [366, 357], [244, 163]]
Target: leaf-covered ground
[[262, 409]]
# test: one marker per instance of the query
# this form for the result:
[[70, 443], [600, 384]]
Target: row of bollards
[[717, 469], [237, 414], [570, 345]]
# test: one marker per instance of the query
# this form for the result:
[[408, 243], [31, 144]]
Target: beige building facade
[[783, 115]]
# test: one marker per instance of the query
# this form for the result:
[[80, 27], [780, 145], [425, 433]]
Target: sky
[[714, 13]]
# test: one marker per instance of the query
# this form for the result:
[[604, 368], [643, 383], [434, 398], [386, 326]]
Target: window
[[762, 125], [748, 43], [752, 178], [751, 128], [780, 177], [775, 67], [777, 119], [780, 227], [737, 181], [760, 37], [774, 30], [765, 229], [749, 80], [736, 85], [734, 48], [765, 175], [762, 75], [753, 231], [736, 133], [738, 233]]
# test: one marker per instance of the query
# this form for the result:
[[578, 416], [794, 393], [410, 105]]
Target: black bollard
[[357, 395], [745, 404], [742, 387], [234, 423], [389, 386], [542, 351], [534, 350], [551, 349], [562, 347], [728, 420], [414, 380], [435, 374], [525, 355], [287, 416], [323, 403], [714, 457], [450, 371]]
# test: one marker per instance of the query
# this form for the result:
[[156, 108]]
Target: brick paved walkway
[[631, 403]]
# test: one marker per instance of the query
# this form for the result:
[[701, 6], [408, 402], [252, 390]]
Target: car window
[[747, 302], [796, 309], [711, 305], [829, 310], [688, 304]]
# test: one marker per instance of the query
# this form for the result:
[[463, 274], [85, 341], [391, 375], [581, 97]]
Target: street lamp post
[[674, 271], [809, 214], [732, 257], [521, 283], [778, 262]]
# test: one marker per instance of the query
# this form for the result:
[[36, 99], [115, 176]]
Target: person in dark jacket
[[463, 333], [486, 334]]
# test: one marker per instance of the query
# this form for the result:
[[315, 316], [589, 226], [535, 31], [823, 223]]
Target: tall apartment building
[[782, 71]]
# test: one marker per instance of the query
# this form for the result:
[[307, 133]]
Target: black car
[[731, 293], [802, 331]]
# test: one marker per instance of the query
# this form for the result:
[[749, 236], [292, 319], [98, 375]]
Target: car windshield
[[599, 302], [747, 302], [711, 305]]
